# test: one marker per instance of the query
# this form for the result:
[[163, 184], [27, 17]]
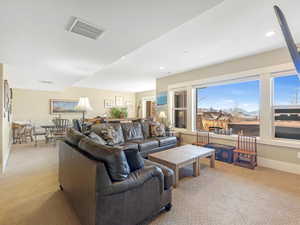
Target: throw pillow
[[109, 134], [96, 138], [114, 158], [158, 130], [134, 159]]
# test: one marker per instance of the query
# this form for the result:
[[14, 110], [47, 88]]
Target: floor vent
[[81, 27]]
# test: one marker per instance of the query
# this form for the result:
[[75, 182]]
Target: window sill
[[272, 142]]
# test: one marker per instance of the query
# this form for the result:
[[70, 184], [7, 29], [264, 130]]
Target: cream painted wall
[[271, 58], [140, 96], [5, 125], [34, 105]]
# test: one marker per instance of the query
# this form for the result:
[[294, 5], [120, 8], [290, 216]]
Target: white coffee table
[[182, 156]]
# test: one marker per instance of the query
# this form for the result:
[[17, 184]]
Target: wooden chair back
[[61, 125], [247, 144], [202, 138]]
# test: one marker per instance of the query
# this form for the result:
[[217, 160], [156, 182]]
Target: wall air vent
[[81, 27]]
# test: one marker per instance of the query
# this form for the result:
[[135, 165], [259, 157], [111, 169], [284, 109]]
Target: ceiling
[[143, 40]]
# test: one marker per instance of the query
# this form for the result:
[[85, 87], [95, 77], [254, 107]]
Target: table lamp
[[83, 106]]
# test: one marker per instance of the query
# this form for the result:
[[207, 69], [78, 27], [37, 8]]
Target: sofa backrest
[[132, 131]]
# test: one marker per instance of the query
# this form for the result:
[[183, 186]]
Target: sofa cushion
[[168, 173], [147, 144], [114, 158], [146, 129], [132, 131], [97, 138], [128, 145], [134, 159], [73, 136], [163, 141]]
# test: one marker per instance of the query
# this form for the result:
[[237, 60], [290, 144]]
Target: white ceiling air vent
[[85, 29], [46, 81]]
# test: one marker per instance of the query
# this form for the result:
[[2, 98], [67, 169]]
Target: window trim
[[172, 108], [265, 75], [273, 106], [224, 82]]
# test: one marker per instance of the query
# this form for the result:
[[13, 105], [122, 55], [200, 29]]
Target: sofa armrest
[[168, 173], [134, 180]]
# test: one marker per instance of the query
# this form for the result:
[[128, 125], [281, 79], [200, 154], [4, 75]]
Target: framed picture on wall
[[119, 101], [108, 103], [58, 106], [162, 98]]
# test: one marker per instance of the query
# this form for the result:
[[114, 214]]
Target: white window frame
[[274, 107], [265, 75], [218, 83], [173, 109]]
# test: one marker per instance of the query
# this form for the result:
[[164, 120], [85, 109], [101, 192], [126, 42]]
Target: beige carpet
[[29, 194]]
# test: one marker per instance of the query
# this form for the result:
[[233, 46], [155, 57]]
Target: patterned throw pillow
[[158, 130], [109, 134]]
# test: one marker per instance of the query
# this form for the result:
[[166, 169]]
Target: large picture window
[[286, 109], [180, 109], [229, 108]]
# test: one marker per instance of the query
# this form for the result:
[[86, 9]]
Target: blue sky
[[285, 89], [243, 95]]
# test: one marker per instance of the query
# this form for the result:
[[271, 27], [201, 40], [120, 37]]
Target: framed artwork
[[58, 106], [108, 103], [162, 98], [119, 101]]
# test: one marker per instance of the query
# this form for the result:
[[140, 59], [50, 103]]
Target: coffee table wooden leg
[[212, 161], [196, 168], [176, 171]]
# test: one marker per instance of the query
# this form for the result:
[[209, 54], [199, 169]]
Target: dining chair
[[60, 127]]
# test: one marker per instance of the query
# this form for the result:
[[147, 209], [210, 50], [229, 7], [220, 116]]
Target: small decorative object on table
[[245, 154]]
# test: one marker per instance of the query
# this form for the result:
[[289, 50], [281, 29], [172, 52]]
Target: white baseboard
[[279, 165]]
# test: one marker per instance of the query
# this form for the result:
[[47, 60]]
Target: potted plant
[[118, 113]]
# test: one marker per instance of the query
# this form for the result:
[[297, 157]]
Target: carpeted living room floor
[[29, 194]]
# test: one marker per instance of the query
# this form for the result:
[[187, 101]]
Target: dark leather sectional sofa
[[138, 135], [99, 200]]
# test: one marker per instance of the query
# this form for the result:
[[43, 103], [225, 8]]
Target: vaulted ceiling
[[143, 40]]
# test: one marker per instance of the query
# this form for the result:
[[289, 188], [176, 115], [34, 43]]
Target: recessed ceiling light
[[123, 57], [270, 33], [161, 68]]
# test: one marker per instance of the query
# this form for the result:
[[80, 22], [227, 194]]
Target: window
[[286, 109], [180, 109], [229, 108]]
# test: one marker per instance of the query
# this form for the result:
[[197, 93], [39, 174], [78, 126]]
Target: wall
[[279, 157], [5, 125], [139, 96], [271, 58], [34, 105]]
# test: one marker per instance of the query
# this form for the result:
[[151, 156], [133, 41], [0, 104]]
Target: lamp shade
[[162, 115], [84, 104]]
